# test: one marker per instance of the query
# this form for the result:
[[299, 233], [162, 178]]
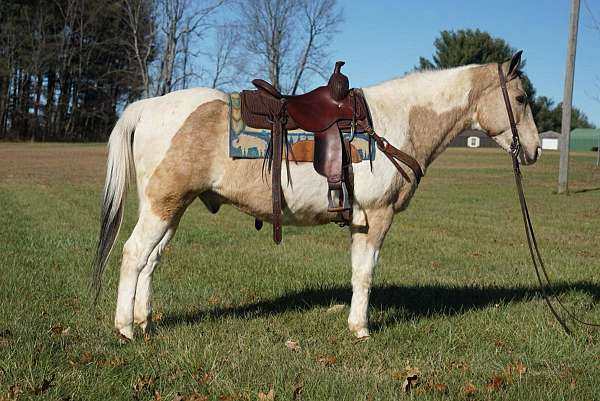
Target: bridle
[[536, 258]]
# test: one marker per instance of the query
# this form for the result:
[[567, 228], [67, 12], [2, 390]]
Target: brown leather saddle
[[328, 111]]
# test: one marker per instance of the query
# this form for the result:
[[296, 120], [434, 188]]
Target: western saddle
[[328, 111]]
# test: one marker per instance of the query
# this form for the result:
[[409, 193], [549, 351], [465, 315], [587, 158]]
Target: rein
[[536, 258]]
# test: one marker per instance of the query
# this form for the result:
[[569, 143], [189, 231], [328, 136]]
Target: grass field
[[454, 295]]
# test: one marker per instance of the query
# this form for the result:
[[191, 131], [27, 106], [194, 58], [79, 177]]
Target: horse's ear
[[514, 63]]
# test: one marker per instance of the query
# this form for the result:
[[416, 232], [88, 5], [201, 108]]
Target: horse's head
[[492, 117]]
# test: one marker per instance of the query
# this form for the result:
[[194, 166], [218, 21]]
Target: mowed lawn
[[454, 294]]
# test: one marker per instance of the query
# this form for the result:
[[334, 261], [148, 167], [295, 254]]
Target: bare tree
[[179, 21], [289, 38], [321, 17], [139, 18], [227, 63]]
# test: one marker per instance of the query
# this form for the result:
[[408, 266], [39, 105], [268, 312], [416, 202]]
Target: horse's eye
[[520, 99]]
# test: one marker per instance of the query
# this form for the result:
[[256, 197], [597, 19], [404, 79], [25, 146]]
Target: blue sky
[[383, 39]]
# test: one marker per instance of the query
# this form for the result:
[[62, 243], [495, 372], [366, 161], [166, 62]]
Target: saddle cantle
[[327, 111]]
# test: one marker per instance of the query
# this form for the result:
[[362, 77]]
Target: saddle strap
[[277, 141], [395, 155]]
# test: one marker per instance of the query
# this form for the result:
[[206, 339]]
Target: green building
[[585, 139]]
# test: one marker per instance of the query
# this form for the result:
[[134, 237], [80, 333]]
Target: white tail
[[120, 171]]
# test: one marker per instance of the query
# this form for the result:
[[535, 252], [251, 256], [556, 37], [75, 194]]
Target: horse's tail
[[120, 171]]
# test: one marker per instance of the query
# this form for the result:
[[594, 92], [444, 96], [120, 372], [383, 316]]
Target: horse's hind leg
[[142, 311], [148, 232], [365, 252]]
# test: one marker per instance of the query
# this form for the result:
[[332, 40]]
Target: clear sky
[[383, 39]]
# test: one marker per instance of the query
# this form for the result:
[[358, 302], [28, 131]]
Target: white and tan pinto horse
[[176, 148]]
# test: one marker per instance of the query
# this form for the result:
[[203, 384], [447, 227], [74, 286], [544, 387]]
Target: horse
[[175, 147]]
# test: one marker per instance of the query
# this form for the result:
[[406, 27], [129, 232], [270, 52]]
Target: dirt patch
[[52, 164]]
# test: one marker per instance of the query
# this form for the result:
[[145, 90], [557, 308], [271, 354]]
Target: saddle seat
[[314, 111]]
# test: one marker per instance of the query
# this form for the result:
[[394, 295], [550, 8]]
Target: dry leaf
[[409, 377], [520, 368], [197, 397], [142, 383], [298, 386], [86, 358], [42, 388], [495, 383], [360, 339], [327, 360], [178, 397], [270, 396], [470, 389], [441, 388], [573, 383], [59, 329], [411, 380], [292, 345], [336, 308]]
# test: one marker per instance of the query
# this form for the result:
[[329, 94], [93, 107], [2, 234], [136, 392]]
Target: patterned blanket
[[250, 143]]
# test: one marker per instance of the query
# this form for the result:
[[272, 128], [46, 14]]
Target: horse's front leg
[[367, 238]]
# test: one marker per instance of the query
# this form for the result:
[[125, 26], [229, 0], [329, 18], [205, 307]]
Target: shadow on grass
[[402, 302], [580, 191]]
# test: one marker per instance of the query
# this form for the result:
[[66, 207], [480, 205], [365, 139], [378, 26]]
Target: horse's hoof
[[362, 333], [124, 335]]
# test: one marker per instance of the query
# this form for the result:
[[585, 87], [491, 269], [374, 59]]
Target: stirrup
[[334, 194]]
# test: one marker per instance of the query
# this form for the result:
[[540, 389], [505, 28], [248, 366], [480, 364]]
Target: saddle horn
[[338, 84]]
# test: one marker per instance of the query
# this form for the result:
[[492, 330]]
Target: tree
[[288, 39], [463, 47], [548, 117]]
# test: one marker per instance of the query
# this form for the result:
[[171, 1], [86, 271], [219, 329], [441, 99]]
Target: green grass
[[454, 294]]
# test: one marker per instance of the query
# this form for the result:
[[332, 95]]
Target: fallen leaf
[[143, 382], [178, 397], [470, 389], [520, 368], [59, 329], [327, 360], [495, 383], [336, 308], [197, 397], [202, 377], [270, 396], [441, 388], [411, 380], [573, 383], [360, 339], [14, 391], [409, 377], [298, 386], [292, 345], [86, 358], [42, 388]]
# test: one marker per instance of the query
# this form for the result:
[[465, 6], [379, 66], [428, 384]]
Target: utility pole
[[565, 132]]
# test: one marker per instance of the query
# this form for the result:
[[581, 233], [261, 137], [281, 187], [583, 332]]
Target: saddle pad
[[251, 143]]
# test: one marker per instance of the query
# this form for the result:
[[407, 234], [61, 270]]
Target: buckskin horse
[[176, 149]]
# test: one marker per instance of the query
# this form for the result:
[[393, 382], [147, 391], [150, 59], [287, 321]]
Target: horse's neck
[[422, 112]]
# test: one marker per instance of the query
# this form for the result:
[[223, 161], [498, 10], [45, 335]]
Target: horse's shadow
[[400, 303]]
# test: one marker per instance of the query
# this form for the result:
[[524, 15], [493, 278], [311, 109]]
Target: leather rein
[[536, 258]]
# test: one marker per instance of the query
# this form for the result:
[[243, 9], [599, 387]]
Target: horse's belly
[[244, 186]]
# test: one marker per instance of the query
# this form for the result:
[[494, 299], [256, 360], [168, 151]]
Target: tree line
[[463, 47], [68, 67]]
